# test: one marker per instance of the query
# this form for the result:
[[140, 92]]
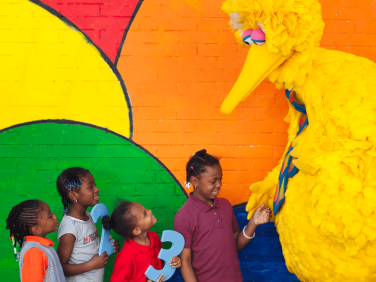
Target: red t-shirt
[[133, 260], [209, 233]]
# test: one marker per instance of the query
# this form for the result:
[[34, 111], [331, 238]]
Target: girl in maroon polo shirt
[[141, 247], [208, 224]]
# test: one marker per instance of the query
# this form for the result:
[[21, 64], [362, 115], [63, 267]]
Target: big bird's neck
[[294, 72]]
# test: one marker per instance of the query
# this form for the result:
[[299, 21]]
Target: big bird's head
[[281, 36]]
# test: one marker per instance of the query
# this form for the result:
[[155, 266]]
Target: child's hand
[[99, 261], [175, 262], [261, 216], [160, 279], [115, 243]]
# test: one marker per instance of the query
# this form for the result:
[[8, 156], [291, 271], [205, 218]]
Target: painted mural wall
[[180, 60], [130, 89]]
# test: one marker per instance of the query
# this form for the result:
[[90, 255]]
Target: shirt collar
[[43, 241], [201, 205], [141, 248]]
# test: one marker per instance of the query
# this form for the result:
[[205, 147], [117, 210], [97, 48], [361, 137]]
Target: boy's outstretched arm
[[186, 266], [259, 217]]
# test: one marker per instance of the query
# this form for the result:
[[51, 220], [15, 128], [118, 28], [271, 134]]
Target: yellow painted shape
[[49, 71]]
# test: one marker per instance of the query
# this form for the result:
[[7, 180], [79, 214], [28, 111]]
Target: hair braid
[[197, 163], [21, 219]]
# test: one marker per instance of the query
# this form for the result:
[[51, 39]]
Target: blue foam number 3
[[177, 241], [100, 210]]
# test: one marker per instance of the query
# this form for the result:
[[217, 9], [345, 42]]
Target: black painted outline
[[138, 6], [67, 121], [103, 55]]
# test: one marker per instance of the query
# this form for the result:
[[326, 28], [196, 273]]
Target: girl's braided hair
[[69, 179], [197, 163], [21, 219]]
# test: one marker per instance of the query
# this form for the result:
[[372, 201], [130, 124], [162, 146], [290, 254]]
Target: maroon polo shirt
[[209, 233], [133, 260]]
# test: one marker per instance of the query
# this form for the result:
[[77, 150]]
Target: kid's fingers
[[160, 279], [174, 259], [115, 243], [175, 265], [175, 262]]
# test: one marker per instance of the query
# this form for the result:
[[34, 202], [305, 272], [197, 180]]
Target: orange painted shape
[[180, 61]]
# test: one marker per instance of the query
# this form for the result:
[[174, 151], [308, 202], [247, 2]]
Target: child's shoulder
[[77, 227], [187, 207], [66, 220], [66, 226]]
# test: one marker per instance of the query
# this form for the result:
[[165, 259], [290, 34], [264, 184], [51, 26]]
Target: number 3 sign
[[100, 210], [177, 241]]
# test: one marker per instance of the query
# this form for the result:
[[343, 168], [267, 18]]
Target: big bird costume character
[[323, 192]]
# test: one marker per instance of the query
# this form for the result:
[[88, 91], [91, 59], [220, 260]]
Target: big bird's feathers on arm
[[327, 223]]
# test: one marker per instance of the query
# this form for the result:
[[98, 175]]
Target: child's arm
[[186, 266], [259, 217], [64, 251], [34, 267]]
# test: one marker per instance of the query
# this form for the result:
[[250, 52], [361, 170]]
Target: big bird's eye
[[258, 36], [247, 36]]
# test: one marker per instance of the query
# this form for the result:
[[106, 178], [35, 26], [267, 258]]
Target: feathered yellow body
[[327, 224]]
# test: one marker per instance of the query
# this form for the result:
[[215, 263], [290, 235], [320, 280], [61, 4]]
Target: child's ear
[[193, 180], [35, 230], [136, 231], [72, 195]]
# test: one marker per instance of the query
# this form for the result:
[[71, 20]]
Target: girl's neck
[[40, 235], [202, 199], [78, 211], [142, 238]]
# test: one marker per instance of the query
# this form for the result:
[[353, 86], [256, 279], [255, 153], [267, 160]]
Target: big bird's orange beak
[[258, 65]]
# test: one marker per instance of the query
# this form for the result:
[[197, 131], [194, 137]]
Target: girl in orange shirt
[[29, 222]]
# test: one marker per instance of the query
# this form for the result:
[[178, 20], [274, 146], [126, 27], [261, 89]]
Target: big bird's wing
[[336, 154]]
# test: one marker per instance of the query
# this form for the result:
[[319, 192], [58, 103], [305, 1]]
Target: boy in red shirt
[[141, 248]]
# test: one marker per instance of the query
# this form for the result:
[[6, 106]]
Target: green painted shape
[[32, 157]]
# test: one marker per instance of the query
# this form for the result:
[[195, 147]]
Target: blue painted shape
[[262, 259], [100, 210], [177, 241]]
